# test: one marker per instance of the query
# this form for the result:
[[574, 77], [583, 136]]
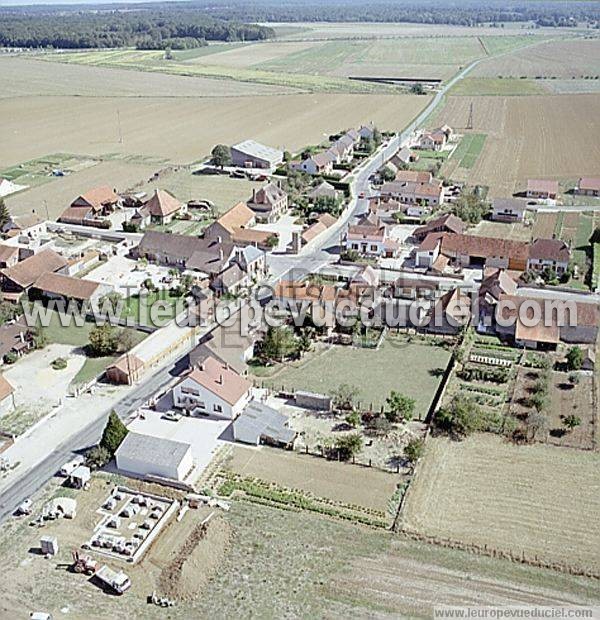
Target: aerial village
[[199, 410]]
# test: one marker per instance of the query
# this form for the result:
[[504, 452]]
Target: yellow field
[[529, 137], [184, 130], [538, 500]]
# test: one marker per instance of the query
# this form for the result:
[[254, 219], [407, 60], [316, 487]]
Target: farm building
[[251, 154], [163, 207], [552, 254], [447, 223], [449, 314], [28, 224], [145, 455], [125, 370], [508, 209], [57, 286], [87, 208], [419, 197], [260, 424], [588, 186], [21, 277], [542, 189], [212, 388]]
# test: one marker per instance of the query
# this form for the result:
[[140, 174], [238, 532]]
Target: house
[[235, 227], [253, 261], [449, 314], [579, 324], [163, 207], [21, 277], [542, 189], [126, 370], [433, 140], [429, 250], [15, 338], [9, 255], [324, 222], [343, 149], [268, 203], [231, 281], [7, 398], [366, 131], [252, 154], [495, 284], [588, 186], [552, 254], [324, 190], [420, 197], [212, 388], [369, 237], [28, 224], [403, 157], [146, 455], [508, 210], [88, 208], [447, 223], [57, 286], [141, 217], [321, 163], [208, 256], [260, 424]]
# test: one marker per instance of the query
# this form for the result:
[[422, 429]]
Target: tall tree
[[4, 213], [400, 408], [221, 155], [114, 433]]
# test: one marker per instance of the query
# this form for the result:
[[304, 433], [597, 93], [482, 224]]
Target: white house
[[429, 250], [508, 209], [321, 163], [552, 254], [146, 455], [212, 388]]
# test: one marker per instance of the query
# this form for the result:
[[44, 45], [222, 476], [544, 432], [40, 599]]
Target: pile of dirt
[[196, 561]]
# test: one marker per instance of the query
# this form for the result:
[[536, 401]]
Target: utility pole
[[470, 119]]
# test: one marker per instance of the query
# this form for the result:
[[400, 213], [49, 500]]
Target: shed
[[146, 455], [80, 476], [259, 423]]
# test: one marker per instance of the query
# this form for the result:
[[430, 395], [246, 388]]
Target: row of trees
[[147, 29]]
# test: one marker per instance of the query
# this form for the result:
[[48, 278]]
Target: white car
[[68, 468], [171, 415], [24, 507]]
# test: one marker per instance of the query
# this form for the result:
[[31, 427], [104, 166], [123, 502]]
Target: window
[[188, 390], [218, 408], [373, 248]]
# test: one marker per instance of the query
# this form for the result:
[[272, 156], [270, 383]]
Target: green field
[[469, 149], [473, 87], [138, 307], [397, 365]]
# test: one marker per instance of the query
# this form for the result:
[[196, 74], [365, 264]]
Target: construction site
[[111, 550]]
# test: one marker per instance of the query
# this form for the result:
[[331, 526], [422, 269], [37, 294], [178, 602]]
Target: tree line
[[144, 29]]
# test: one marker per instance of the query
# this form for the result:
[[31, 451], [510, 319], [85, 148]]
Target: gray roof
[[258, 420], [259, 151], [512, 204], [153, 450]]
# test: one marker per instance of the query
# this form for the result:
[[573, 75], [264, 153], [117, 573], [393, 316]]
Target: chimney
[[220, 381], [219, 239], [254, 194], [221, 255]]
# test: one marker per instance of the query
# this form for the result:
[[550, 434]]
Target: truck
[[68, 468], [119, 582]]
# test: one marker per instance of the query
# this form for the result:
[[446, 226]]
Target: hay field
[[518, 498], [561, 59], [58, 193], [185, 130], [529, 137], [25, 77]]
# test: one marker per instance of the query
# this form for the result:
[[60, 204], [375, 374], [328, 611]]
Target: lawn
[[522, 499], [497, 86], [469, 149], [413, 369], [137, 307]]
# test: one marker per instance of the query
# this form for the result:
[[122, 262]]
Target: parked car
[[24, 507], [68, 468], [171, 415]]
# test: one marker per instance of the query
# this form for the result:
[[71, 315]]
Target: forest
[[144, 29]]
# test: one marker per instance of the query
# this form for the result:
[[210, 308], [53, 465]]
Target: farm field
[[575, 58], [58, 192], [478, 87], [26, 77], [415, 372], [185, 130], [343, 482], [489, 492], [529, 137], [515, 231]]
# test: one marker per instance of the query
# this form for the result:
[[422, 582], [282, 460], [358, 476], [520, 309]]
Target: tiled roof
[[219, 379], [550, 249], [28, 271], [66, 286], [162, 204]]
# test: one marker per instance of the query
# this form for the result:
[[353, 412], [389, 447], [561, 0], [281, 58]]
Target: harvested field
[[486, 491], [529, 137], [545, 225], [185, 130], [26, 77], [351, 484], [478, 87], [562, 59]]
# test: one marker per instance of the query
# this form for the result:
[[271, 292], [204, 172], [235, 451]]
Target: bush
[[348, 446], [97, 457], [60, 363], [11, 357]]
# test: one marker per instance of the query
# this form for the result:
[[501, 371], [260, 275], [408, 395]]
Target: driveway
[[284, 227]]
